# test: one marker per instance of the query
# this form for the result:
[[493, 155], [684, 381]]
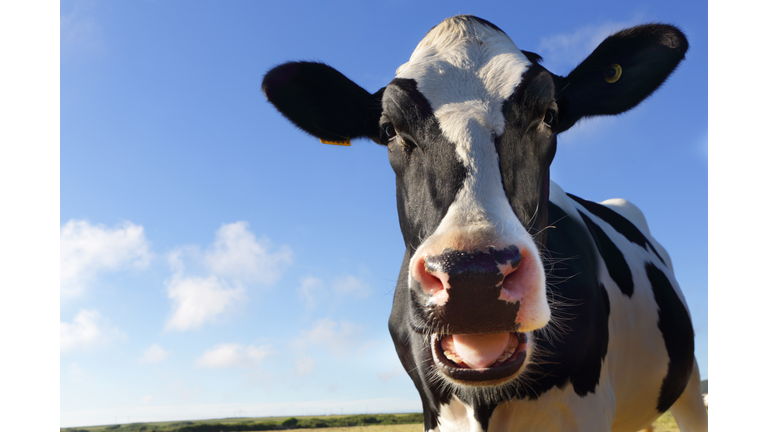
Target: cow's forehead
[[466, 69], [461, 60]]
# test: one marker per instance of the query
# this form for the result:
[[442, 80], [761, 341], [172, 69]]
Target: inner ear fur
[[323, 102], [646, 54]]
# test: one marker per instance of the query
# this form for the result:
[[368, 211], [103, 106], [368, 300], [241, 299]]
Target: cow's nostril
[[429, 282]]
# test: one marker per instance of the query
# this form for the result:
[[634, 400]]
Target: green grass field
[[379, 428], [665, 423], [381, 422]]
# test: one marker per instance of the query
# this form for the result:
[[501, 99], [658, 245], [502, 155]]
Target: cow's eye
[[390, 131], [549, 117]]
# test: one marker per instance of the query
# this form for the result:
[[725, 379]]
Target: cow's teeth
[[505, 356], [453, 357]]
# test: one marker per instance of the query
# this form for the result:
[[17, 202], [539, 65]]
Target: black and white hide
[[518, 307]]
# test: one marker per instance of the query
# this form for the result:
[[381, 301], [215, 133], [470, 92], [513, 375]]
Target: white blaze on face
[[466, 70]]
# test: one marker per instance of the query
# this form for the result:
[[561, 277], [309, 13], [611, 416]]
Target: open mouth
[[480, 358]]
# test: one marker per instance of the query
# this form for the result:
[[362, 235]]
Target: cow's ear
[[622, 71], [323, 102]]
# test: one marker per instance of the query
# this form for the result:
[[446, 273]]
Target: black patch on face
[[619, 223], [428, 172], [526, 150], [614, 259], [676, 327]]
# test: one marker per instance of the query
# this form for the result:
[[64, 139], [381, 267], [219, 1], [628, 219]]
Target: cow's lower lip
[[500, 371]]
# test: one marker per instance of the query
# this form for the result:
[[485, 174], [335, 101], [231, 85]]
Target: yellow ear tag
[[341, 143], [613, 73]]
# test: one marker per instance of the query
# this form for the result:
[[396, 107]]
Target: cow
[[518, 307]]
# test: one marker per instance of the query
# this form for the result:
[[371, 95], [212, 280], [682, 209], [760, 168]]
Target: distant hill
[[704, 386]]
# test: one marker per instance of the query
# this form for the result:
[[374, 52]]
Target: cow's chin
[[493, 371]]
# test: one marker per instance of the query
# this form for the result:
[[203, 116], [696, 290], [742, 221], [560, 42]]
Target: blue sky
[[216, 261]]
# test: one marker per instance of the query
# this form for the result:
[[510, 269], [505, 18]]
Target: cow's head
[[470, 123]]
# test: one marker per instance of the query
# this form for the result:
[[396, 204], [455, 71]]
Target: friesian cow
[[518, 307]]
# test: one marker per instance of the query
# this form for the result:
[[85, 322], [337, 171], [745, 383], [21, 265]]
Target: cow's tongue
[[479, 350]]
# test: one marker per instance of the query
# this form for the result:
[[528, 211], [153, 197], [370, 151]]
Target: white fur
[[457, 417]]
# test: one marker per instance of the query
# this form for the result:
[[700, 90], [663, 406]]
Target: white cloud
[[309, 290], [234, 259], [196, 301], [339, 338], [154, 354], [563, 52], [86, 330], [349, 285], [259, 353], [312, 290], [87, 250], [147, 399], [234, 355], [236, 253]]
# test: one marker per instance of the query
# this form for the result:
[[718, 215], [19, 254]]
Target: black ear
[[323, 102], [622, 71]]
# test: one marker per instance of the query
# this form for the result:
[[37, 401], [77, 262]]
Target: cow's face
[[468, 123]]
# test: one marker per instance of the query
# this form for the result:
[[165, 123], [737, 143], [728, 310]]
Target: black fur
[[618, 268], [676, 327], [525, 152]]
